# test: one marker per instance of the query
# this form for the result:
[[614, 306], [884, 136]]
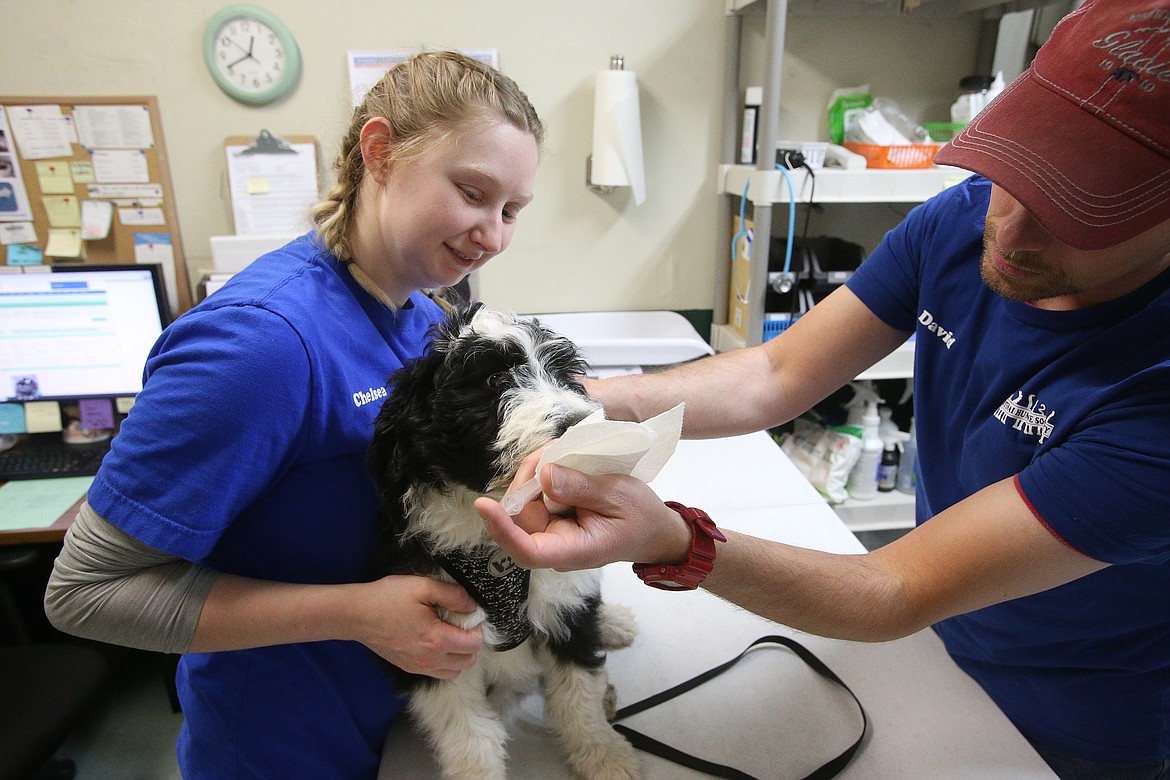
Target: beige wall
[[574, 249]]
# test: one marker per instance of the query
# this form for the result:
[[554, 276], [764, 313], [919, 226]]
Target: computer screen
[[78, 331]]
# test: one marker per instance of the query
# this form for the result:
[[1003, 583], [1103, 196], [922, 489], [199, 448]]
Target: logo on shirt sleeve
[[1029, 418]]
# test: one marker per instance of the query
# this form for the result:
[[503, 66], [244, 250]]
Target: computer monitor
[[78, 331]]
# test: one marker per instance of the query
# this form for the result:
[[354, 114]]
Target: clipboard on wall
[[273, 182]]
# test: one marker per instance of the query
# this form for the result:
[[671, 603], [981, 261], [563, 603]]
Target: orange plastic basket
[[915, 156]]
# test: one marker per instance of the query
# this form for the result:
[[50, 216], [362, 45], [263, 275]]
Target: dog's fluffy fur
[[456, 425]]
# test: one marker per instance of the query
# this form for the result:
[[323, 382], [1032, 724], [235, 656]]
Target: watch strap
[[689, 574]]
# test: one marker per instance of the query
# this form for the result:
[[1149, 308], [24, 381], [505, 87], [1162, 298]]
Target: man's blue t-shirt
[[1076, 406], [245, 452]]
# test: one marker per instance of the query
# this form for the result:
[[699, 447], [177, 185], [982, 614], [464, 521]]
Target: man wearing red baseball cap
[[1039, 293]]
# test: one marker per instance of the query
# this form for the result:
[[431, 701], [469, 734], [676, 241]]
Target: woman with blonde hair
[[233, 519]]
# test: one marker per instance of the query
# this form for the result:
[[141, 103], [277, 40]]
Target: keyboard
[[45, 460]]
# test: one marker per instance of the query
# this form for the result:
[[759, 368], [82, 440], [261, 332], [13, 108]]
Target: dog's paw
[[613, 759], [618, 627], [609, 701]]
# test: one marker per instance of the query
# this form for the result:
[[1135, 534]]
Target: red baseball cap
[[1082, 138]]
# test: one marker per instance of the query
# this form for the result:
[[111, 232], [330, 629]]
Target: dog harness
[[498, 585]]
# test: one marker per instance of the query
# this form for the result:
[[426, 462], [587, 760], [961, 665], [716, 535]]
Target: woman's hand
[[401, 623]]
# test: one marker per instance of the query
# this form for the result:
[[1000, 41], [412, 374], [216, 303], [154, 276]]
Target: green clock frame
[[290, 72]]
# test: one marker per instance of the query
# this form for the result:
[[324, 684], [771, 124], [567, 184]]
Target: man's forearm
[[751, 389], [705, 385], [840, 596]]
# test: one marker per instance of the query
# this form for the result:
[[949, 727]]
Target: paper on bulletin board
[[272, 192], [17, 233], [14, 204], [41, 131], [159, 249], [114, 126], [96, 218]]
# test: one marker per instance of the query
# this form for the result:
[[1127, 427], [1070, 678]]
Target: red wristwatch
[[689, 574]]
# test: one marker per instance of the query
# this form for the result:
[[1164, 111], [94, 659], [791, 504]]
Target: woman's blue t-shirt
[[245, 452]]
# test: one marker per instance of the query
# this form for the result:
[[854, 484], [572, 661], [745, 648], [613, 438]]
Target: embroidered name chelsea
[[363, 397], [946, 336]]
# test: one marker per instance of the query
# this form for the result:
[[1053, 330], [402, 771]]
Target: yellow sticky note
[[257, 186], [64, 210], [124, 404], [63, 242], [42, 416], [82, 172], [54, 177]]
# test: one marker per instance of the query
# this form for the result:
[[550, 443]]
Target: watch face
[[253, 59]]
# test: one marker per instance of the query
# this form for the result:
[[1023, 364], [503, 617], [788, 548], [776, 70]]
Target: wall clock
[[251, 54]]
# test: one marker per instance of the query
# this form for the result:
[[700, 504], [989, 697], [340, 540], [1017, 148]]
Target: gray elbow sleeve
[[107, 585]]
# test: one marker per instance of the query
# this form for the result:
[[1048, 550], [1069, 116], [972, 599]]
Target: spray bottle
[[863, 479], [907, 480], [863, 394]]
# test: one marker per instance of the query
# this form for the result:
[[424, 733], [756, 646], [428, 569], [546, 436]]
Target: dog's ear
[[396, 426], [448, 331], [406, 418]]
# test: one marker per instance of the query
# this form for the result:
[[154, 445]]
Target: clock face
[[251, 55]]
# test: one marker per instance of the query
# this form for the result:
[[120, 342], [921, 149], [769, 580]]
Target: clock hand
[[237, 62]]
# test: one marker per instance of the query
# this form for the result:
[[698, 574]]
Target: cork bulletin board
[[86, 180]]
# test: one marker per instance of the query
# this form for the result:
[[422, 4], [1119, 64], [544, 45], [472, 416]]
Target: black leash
[[642, 742]]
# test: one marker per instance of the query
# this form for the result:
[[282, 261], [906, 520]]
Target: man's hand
[[618, 518]]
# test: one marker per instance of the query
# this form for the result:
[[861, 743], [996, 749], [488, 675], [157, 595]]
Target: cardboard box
[[740, 270]]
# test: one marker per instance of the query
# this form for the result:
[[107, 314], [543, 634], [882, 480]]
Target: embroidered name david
[[946, 336]]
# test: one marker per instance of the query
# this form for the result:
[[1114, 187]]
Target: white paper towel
[[617, 133], [596, 445]]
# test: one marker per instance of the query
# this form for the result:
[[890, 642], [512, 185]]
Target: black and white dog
[[456, 425]]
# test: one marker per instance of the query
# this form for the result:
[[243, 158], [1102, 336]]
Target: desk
[[51, 534], [769, 716]]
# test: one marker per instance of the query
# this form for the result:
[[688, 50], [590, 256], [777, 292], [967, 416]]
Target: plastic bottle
[[907, 480], [891, 457], [863, 479], [975, 92]]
